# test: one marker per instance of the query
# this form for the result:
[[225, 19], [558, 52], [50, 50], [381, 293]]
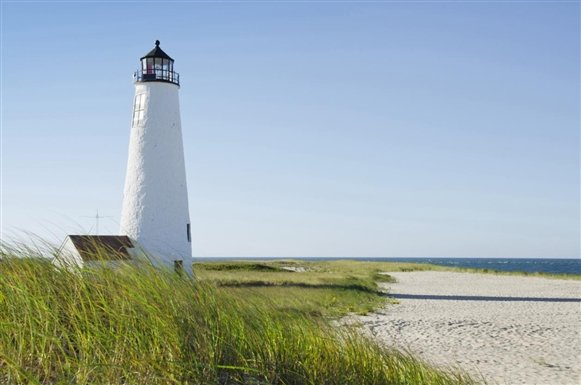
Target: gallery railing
[[157, 75]]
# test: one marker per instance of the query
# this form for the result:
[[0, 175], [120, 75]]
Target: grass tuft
[[142, 325]]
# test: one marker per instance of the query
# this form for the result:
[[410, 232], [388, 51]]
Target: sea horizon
[[554, 265]]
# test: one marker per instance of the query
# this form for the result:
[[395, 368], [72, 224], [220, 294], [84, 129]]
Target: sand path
[[509, 329]]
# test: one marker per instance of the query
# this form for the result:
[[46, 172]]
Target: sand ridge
[[508, 329]]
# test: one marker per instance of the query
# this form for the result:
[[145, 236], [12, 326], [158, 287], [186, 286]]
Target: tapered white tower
[[155, 199]]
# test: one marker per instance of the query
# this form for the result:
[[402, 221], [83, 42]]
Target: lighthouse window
[[149, 65], [158, 69], [164, 69], [189, 233], [138, 110]]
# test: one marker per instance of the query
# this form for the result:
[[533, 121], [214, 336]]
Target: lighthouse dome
[[157, 66], [157, 52]]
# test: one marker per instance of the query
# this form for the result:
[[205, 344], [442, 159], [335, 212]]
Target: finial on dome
[[157, 43]]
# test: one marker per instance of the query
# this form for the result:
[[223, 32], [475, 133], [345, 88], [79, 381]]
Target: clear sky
[[377, 129]]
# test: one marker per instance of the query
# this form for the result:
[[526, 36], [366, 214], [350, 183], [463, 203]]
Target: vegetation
[[575, 277], [140, 325], [324, 288], [330, 289]]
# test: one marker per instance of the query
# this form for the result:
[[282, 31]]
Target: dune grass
[[329, 289], [574, 277], [141, 325]]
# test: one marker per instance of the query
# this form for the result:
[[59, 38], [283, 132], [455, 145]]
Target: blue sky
[[377, 129]]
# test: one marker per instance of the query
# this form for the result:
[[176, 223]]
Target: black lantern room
[[157, 66]]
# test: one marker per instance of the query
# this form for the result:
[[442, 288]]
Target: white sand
[[508, 329]]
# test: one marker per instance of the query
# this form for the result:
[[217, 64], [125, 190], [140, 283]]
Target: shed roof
[[102, 247]]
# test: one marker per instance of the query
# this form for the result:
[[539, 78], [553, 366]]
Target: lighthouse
[[155, 210]]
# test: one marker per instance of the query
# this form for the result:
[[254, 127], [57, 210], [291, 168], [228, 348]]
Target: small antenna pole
[[97, 217]]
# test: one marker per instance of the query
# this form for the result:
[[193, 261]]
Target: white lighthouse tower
[[155, 199]]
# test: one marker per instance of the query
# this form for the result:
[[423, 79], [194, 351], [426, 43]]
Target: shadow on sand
[[481, 298]]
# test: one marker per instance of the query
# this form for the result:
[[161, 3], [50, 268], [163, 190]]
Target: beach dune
[[506, 329]]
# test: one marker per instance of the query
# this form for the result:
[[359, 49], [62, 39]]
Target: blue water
[[528, 265], [532, 265]]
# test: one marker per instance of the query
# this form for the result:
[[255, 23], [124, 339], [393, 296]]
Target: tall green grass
[[141, 325]]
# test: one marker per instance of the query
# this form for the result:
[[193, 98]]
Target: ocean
[[527, 265]]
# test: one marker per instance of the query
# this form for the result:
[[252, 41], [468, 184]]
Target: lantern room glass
[[157, 69]]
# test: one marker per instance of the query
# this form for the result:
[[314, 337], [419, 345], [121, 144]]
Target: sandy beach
[[507, 329]]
